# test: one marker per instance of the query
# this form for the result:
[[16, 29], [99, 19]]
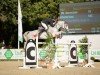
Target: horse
[[54, 31]]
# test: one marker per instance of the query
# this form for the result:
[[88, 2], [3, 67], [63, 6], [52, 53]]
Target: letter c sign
[[73, 52], [30, 53]]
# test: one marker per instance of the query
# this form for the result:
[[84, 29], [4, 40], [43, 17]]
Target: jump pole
[[89, 44], [37, 48]]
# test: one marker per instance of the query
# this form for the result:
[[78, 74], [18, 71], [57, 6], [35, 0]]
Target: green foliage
[[8, 21], [8, 10], [49, 47], [33, 12], [83, 48]]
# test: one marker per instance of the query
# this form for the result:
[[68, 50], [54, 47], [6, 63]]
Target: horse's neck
[[52, 29]]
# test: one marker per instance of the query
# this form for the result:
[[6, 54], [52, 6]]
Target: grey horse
[[54, 31]]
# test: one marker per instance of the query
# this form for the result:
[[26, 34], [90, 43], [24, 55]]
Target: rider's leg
[[41, 30], [44, 25]]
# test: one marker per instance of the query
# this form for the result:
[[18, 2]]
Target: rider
[[46, 23]]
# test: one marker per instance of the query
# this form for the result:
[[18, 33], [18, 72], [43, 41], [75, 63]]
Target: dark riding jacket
[[49, 21]]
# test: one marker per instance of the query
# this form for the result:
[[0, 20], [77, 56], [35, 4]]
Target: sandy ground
[[12, 68]]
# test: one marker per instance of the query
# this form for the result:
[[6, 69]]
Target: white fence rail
[[19, 54]]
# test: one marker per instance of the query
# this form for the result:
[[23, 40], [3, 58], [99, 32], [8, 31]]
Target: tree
[[33, 12], [8, 20]]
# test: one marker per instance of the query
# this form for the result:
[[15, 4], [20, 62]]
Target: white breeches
[[44, 25]]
